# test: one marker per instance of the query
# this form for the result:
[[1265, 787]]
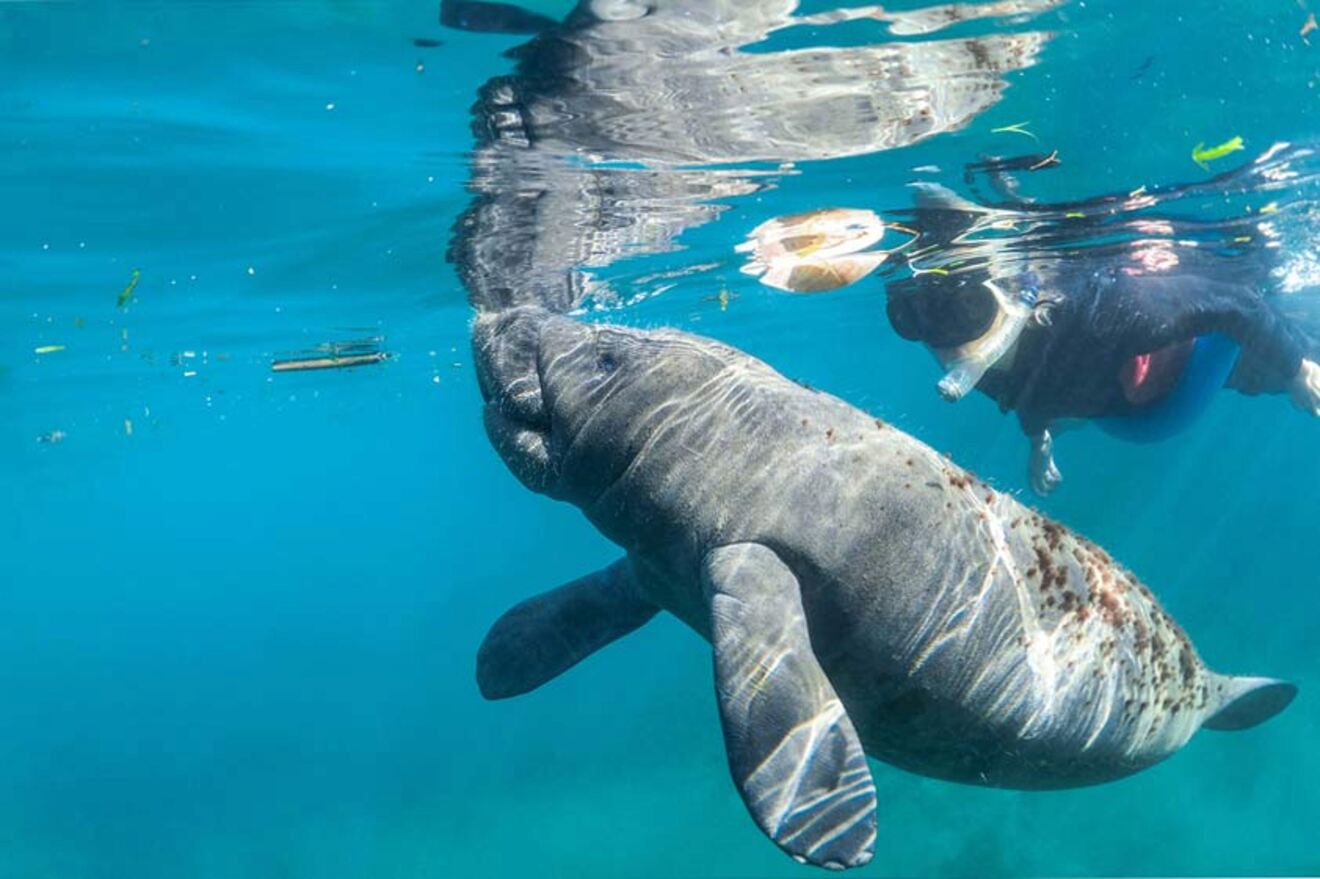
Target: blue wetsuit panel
[[1208, 368]]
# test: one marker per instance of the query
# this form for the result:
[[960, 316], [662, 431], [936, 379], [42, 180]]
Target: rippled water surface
[[239, 607]]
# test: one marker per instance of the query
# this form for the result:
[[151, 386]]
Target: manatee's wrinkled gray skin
[[860, 591]]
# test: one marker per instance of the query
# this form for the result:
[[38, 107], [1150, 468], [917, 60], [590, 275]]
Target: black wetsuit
[[1107, 312]]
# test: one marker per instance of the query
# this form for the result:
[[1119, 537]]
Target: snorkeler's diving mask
[[942, 311], [968, 323]]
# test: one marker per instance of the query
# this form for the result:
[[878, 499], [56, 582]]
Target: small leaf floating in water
[[724, 297], [127, 293], [1202, 156], [47, 349]]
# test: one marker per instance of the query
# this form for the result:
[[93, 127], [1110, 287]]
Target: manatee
[[862, 594]]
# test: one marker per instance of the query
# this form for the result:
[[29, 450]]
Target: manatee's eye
[[605, 362]]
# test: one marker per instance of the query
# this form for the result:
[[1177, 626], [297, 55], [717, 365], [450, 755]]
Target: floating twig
[[127, 293], [298, 364], [1016, 128], [1048, 162]]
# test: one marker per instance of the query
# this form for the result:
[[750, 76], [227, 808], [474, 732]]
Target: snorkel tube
[[966, 364]]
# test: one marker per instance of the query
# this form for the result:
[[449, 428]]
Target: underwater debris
[[1307, 27], [47, 349], [724, 297], [52, 437], [1048, 162], [817, 251], [128, 427], [427, 43], [1201, 155], [1016, 128], [332, 362], [127, 293], [1145, 66], [335, 355]]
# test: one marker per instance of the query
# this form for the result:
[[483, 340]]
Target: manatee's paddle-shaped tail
[[792, 750], [547, 635], [1245, 702]]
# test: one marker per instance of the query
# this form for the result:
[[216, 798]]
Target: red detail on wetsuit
[[1148, 377]]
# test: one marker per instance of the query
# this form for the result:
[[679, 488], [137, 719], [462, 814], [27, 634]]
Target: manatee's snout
[[506, 349], [511, 349]]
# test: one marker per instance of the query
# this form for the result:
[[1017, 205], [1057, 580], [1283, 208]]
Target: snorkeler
[[1138, 334], [1121, 344]]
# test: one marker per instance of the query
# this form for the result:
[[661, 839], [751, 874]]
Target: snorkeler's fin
[[492, 18], [934, 197], [792, 750], [1245, 702], [1042, 472], [545, 636]]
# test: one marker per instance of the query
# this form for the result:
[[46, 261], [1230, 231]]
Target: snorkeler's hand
[[1305, 388], [1044, 473]]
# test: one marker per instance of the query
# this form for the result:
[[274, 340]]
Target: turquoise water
[[237, 638]]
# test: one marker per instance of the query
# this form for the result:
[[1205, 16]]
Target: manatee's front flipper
[[547, 635], [792, 750]]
